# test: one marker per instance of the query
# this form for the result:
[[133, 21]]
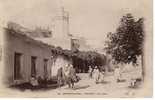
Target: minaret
[[61, 24], [60, 35]]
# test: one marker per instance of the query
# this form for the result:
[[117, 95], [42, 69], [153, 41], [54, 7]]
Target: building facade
[[25, 58], [79, 43]]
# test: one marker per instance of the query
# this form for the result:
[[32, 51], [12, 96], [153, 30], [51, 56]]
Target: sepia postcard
[[76, 48]]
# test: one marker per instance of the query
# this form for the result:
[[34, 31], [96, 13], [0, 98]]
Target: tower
[[60, 36], [61, 24]]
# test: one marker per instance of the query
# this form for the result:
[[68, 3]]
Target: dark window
[[17, 66], [45, 68], [33, 66]]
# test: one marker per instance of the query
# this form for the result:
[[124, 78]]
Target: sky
[[92, 19]]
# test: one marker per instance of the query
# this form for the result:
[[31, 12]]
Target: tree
[[126, 44], [83, 59]]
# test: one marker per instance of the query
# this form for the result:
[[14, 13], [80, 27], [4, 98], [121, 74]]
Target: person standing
[[101, 78], [90, 71], [72, 76], [96, 74], [117, 74], [66, 71], [60, 77]]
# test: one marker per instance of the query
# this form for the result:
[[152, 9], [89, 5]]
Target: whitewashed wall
[[59, 62]]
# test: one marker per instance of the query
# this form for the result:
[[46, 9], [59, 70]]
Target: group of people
[[67, 75], [96, 73]]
